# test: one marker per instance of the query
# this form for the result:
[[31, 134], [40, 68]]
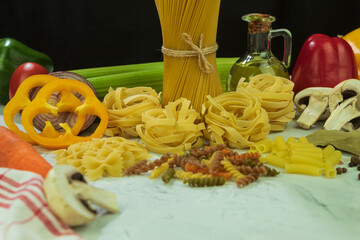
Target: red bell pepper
[[323, 61]]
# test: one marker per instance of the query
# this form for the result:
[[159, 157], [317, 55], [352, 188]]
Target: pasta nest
[[125, 106], [172, 129], [102, 157], [235, 119], [276, 98]]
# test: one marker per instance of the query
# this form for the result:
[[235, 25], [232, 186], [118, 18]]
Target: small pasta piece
[[303, 169], [205, 182], [236, 174], [262, 146], [328, 151], [280, 153], [334, 158], [261, 170], [304, 158], [275, 160], [181, 174], [280, 143], [243, 182], [329, 170], [168, 175], [303, 140], [159, 170], [290, 140], [300, 145]]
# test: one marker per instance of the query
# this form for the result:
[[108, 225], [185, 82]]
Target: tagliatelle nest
[[276, 98], [235, 119], [125, 106], [172, 129]]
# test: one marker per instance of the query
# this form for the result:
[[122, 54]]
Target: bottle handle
[[286, 34]]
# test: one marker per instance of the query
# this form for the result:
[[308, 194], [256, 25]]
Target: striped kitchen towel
[[24, 212]]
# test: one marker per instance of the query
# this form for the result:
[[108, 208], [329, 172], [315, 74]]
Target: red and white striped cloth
[[24, 212]]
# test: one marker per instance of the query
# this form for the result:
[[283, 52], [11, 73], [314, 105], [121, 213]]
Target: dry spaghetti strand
[[189, 26]]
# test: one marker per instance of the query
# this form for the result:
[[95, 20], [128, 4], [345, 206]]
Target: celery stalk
[[143, 74]]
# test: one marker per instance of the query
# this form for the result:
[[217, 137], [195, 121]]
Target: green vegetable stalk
[[143, 74], [12, 54]]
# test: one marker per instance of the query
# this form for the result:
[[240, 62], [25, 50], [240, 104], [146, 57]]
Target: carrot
[[18, 154]]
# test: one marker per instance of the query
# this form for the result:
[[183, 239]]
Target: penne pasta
[[275, 160], [328, 151], [280, 143], [303, 169], [334, 158], [329, 170], [262, 146], [303, 158], [303, 140]]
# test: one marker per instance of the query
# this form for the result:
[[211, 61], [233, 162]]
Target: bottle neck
[[258, 42]]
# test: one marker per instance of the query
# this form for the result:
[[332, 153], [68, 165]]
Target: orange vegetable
[[18, 154], [353, 38]]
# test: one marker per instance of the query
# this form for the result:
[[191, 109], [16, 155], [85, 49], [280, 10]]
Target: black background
[[81, 34]]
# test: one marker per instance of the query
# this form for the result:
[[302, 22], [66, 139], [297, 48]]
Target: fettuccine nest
[[235, 119], [172, 129], [125, 106], [276, 97]]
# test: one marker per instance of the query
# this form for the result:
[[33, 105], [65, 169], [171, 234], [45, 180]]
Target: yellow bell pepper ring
[[68, 102], [21, 99]]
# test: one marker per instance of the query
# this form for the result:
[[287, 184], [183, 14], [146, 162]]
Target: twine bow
[[197, 51]]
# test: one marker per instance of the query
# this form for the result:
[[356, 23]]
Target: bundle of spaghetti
[[125, 106], [235, 119], [189, 30], [276, 98], [172, 129], [102, 157]]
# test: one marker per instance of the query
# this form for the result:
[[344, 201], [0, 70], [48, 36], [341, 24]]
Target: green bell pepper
[[12, 54]]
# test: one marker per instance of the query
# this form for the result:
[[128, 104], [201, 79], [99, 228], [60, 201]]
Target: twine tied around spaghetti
[[197, 51]]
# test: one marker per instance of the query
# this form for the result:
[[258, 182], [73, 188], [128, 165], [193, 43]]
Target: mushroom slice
[[71, 198], [312, 104], [342, 91], [347, 113]]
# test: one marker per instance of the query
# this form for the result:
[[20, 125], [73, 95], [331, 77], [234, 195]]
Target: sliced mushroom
[[71, 198], [347, 113], [312, 104], [344, 90]]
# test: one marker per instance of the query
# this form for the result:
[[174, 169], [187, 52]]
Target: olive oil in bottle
[[258, 58]]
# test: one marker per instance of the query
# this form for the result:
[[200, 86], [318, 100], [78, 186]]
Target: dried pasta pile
[[125, 106], [102, 157], [172, 128], [299, 156], [276, 98], [235, 119], [210, 166]]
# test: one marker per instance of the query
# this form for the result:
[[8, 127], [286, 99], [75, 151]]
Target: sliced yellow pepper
[[49, 137]]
